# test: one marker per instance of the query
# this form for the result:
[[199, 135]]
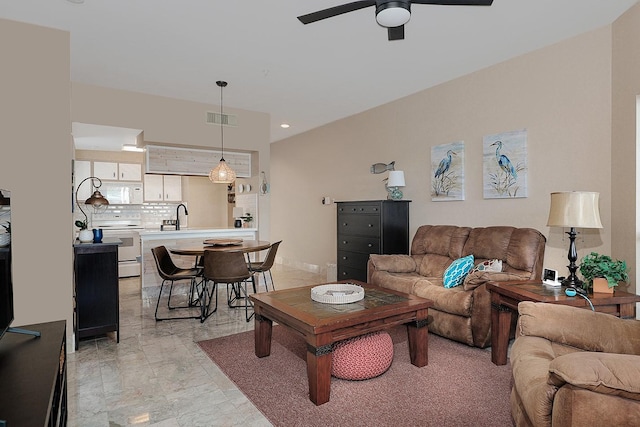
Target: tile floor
[[157, 375]]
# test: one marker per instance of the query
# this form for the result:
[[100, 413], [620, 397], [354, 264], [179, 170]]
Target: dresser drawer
[[363, 225], [352, 259], [359, 243], [350, 273], [358, 208]]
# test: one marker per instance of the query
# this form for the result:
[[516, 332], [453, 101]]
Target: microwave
[[122, 193]]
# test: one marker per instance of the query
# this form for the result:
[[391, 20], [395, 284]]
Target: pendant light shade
[[222, 174]]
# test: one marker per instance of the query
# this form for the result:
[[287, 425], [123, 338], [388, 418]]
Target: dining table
[[227, 245]]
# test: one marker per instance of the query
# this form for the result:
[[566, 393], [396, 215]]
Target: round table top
[[246, 246]]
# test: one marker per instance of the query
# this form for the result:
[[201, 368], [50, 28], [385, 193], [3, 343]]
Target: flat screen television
[[6, 276]]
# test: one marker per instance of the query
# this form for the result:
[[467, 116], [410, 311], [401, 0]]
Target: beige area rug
[[459, 387]]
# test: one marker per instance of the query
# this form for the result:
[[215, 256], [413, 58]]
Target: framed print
[[505, 165]]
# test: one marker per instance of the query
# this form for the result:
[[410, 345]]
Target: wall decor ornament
[[504, 169], [447, 172]]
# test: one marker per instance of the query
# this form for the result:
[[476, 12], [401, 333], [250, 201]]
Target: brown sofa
[[461, 313], [574, 367]]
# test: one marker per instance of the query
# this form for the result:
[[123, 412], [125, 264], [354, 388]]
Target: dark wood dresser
[[370, 227], [96, 306], [33, 376]]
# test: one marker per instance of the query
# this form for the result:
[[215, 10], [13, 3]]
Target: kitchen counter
[[105, 241], [183, 237]]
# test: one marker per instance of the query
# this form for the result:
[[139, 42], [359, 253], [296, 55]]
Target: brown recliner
[[462, 313], [574, 367]]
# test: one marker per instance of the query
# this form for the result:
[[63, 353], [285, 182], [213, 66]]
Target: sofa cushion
[[445, 240], [402, 282], [456, 272], [453, 300], [393, 263], [606, 373]]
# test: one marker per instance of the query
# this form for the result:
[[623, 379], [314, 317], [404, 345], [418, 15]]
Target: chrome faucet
[[186, 212]]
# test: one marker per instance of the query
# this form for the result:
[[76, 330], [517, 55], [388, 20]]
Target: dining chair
[[228, 267], [171, 273], [264, 266]]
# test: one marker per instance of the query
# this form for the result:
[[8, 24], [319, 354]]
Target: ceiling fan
[[392, 14]]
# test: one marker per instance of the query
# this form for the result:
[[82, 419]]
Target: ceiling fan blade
[[335, 11], [455, 2], [396, 33]]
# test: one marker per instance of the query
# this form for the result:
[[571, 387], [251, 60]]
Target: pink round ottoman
[[363, 357]]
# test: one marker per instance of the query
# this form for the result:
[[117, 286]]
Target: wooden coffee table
[[324, 324], [505, 297]]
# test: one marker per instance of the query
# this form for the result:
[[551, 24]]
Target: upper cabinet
[[194, 162], [117, 171], [129, 172], [162, 188]]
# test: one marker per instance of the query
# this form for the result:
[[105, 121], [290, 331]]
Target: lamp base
[[394, 193], [237, 223]]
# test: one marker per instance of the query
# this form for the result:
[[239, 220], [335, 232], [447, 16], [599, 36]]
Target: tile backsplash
[[151, 214]]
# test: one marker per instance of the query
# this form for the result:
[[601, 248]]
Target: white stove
[[126, 227]]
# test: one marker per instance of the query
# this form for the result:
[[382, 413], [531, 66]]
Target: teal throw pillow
[[454, 274]]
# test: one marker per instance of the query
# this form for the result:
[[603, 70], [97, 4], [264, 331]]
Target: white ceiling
[[305, 75]]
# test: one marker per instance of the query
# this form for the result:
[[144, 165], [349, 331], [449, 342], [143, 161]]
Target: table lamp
[[574, 209], [395, 180]]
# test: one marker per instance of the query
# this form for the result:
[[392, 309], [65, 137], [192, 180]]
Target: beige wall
[[624, 161], [560, 94], [177, 122], [36, 167]]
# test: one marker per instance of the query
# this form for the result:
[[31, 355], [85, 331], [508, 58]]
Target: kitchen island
[[180, 238]]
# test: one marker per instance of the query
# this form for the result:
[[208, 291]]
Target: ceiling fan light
[[393, 16]]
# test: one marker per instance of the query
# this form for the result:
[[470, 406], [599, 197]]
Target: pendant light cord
[[221, 84]]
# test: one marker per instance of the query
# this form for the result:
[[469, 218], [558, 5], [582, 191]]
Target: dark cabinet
[[370, 227], [33, 374], [96, 308]]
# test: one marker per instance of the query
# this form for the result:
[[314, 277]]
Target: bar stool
[[169, 272]]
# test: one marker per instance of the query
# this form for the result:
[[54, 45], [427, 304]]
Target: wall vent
[[222, 119]]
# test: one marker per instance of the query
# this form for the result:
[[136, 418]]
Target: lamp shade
[[396, 179], [222, 174], [238, 212], [577, 209], [96, 200]]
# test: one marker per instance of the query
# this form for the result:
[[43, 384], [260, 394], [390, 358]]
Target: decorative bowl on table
[[337, 293], [223, 242]]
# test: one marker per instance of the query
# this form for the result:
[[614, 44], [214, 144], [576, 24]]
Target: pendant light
[[222, 174]]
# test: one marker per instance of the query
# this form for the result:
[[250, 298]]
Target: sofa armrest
[[606, 373], [478, 278], [578, 327], [393, 263]]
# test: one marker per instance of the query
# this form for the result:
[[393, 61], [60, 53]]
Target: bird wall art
[[447, 177], [505, 165]]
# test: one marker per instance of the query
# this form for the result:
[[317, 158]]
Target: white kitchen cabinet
[[172, 188], [130, 172], [162, 188], [105, 170], [82, 170], [118, 171]]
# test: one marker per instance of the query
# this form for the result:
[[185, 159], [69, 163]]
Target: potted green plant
[[84, 235], [594, 266], [247, 218]]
